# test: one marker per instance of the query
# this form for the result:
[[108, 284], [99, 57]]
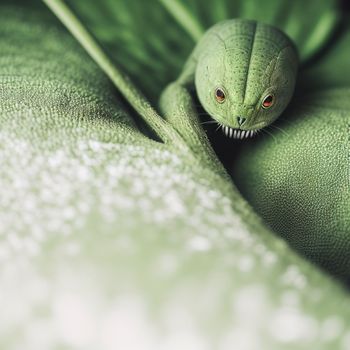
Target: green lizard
[[244, 74]]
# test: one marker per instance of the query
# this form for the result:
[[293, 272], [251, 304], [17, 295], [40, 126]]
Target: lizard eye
[[268, 101], [220, 95]]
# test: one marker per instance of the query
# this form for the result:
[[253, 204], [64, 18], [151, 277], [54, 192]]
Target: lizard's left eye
[[268, 101], [220, 95]]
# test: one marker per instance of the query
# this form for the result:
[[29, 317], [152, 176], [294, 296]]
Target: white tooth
[[234, 134], [231, 131], [242, 135], [225, 130]]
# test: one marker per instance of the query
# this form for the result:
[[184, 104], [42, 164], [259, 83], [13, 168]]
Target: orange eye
[[268, 101], [220, 95]]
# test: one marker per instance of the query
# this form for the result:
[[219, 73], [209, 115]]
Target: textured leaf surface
[[111, 240], [152, 40]]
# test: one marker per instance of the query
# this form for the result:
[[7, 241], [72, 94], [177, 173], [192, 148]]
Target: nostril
[[241, 120]]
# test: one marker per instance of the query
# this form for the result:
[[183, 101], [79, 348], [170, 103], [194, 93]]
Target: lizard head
[[245, 76]]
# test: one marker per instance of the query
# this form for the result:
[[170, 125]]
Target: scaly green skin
[[248, 61]]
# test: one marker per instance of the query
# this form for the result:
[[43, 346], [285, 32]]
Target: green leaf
[[112, 240], [141, 37], [297, 177], [164, 129], [151, 40]]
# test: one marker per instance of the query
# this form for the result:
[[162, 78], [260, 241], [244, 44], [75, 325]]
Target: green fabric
[[111, 240]]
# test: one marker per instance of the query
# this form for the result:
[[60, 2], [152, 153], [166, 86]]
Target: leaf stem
[[123, 83]]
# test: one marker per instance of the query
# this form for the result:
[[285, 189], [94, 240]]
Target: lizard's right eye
[[219, 95]]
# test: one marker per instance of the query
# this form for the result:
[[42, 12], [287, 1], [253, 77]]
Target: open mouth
[[237, 133]]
